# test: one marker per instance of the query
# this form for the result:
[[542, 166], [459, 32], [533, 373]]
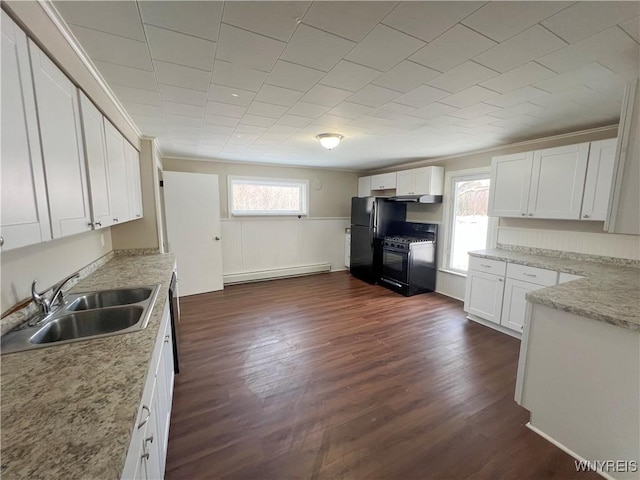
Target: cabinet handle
[[166, 338], [529, 275], [217, 238], [523, 214], [144, 407], [1, 241], [585, 216], [115, 219], [150, 439], [500, 280], [98, 224], [145, 456], [531, 214], [137, 215], [485, 265], [90, 224]]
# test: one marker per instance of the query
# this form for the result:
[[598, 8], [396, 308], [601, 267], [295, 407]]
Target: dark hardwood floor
[[328, 377]]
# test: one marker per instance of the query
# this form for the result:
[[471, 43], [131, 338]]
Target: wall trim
[[244, 277], [68, 35], [524, 143], [563, 448], [260, 164]]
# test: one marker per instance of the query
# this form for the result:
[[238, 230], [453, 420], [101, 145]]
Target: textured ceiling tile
[[406, 76], [179, 48], [199, 19], [384, 48], [248, 49], [296, 77], [316, 49], [272, 19], [349, 76], [461, 77]]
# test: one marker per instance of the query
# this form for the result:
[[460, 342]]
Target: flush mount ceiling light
[[329, 140]]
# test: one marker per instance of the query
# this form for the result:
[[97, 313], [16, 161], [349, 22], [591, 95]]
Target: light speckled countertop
[[608, 293], [68, 411]]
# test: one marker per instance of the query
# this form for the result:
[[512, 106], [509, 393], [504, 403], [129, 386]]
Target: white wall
[[48, 263]]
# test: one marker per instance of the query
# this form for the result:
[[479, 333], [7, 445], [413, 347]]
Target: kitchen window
[[468, 227], [267, 196]]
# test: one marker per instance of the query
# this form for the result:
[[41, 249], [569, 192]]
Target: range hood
[[417, 198]]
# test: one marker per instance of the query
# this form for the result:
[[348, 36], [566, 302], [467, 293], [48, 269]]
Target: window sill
[[453, 272]]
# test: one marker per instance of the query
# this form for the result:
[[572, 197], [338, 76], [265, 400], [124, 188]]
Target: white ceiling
[[257, 81]]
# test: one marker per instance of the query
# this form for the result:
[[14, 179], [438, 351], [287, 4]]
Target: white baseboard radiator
[[259, 275]]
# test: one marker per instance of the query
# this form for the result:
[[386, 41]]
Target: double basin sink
[[84, 316]]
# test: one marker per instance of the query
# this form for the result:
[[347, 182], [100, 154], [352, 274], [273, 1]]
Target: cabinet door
[[510, 182], [117, 166], [483, 296], [62, 152], [515, 303], [597, 186], [24, 210], [364, 186], [383, 181], [557, 182], [96, 155], [429, 181], [405, 182], [134, 188]]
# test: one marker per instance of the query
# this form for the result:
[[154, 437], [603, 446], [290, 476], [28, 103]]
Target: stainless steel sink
[[85, 316], [88, 324], [110, 298]]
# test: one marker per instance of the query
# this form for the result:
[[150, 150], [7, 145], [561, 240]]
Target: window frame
[[451, 177], [303, 184]]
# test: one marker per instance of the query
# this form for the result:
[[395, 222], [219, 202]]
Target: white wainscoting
[[261, 248], [451, 285], [604, 244]]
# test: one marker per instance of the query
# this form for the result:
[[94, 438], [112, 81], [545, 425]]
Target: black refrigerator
[[372, 218]]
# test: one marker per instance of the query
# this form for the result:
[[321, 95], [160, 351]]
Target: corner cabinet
[[24, 211], [597, 186], [62, 150], [147, 454], [364, 186], [134, 189]]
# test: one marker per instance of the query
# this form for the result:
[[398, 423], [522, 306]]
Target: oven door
[[395, 265]]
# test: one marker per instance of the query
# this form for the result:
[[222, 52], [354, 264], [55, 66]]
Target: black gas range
[[409, 262]]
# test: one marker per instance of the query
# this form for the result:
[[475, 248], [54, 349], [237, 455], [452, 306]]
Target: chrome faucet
[[46, 303]]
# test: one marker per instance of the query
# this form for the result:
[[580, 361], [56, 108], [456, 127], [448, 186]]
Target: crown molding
[[524, 143], [71, 39], [257, 164]]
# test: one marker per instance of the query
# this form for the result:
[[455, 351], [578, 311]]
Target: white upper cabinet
[[383, 181], [24, 214], [364, 186], [597, 187], [117, 166], [132, 158], [420, 181], [510, 183], [557, 182], [96, 155], [62, 152]]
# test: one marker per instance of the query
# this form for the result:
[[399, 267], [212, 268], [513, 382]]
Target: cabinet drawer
[[539, 276], [495, 267]]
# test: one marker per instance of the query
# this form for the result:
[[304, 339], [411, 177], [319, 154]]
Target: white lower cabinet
[[146, 458], [496, 291], [483, 296]]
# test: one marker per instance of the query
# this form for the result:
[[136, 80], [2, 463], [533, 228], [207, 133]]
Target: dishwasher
[[174, 311]]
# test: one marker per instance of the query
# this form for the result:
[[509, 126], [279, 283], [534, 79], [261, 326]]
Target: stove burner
[[407, 240]]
